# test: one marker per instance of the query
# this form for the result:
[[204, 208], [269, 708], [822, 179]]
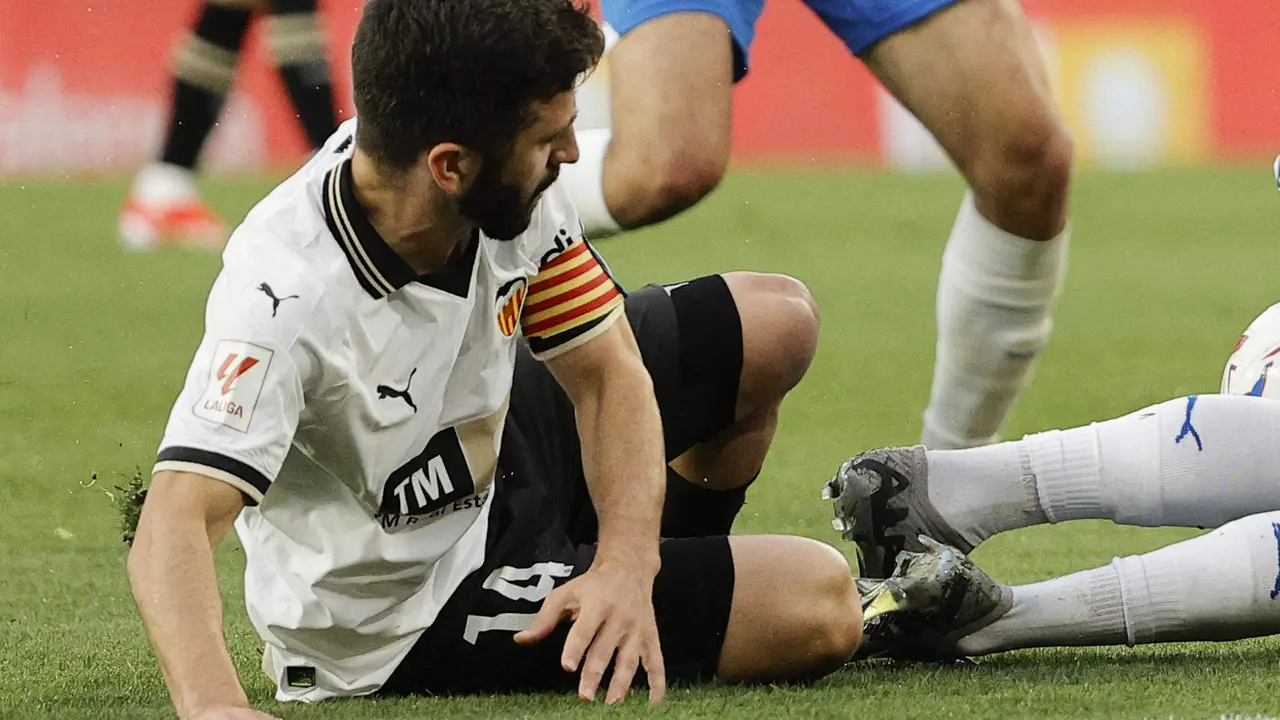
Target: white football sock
[[584, 179], [996, 292], [1084, 608], [161, 183], [1198, 461], [585, 182], [1219, 586], [985, 490], [1188, 462]]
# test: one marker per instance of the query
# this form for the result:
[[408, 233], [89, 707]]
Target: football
[[1254, 366]]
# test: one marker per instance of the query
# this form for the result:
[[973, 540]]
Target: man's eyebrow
[[565, 128]]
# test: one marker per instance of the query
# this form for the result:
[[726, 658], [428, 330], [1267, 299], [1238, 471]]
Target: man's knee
[[796, 611], [668, 174], [830, 618], [780, 326], [837, 612], [1028, 153], [687, 176], [1023, 168], [672, 80]]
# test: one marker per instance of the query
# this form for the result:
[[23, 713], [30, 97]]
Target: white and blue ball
[[1254, 366]]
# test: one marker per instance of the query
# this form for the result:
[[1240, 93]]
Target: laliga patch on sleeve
[[236, 377]]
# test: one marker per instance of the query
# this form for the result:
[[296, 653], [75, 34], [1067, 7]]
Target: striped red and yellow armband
[[572, 299]]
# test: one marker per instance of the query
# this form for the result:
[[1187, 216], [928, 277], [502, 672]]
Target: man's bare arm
[[621, 433], [624, 463], [175, 586]]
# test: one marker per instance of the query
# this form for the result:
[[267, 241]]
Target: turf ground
[[1166, 269]]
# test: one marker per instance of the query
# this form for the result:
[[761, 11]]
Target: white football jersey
[[360, 409]]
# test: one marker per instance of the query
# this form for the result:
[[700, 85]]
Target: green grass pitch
[[1166, 269]]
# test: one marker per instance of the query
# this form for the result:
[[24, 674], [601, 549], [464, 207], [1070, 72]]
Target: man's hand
[[228, 712], [612, 610]]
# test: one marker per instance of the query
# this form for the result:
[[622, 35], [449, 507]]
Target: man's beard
[[498, 208]]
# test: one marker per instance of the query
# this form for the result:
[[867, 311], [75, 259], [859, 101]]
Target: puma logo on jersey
[[386, 391], [275, 301]]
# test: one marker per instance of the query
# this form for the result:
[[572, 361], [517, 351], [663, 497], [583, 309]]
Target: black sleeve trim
[[228, 465]]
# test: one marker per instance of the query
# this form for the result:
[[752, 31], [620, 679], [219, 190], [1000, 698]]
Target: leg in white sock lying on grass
[[1224, 585], [1198, 461]]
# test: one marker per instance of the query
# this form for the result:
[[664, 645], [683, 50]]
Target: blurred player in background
[[1200, 461], [164, 206], [968, 69]]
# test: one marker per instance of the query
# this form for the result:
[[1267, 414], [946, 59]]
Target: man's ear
[[453, 167]]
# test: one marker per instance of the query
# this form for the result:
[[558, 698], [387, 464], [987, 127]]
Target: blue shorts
[[859, 23]]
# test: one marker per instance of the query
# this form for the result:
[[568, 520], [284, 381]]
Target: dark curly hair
[[464, 71]]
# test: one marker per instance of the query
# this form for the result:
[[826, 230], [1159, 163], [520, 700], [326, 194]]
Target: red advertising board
[[84, 85]]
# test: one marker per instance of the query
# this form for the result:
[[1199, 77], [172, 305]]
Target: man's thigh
[[971, 73], [860, 24], [690, 336], [671, 38], [470, 647], [671, 82]]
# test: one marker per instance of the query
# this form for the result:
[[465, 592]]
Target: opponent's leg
[[671, 78], [164, 205], [1198, 461], [1219, 586], [298, 48], [973, 76]]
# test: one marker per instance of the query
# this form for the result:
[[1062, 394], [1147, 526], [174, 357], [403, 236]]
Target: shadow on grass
[[1178, 661]]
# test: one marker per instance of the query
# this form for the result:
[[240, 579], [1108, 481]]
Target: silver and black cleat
[[882, 505], [932, 599]]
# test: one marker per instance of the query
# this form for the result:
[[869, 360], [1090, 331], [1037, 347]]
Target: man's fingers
[[580, 636], [654, 665], [624, 669], [553, 610], [598, 657]]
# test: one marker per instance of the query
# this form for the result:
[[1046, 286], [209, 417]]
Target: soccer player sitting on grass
[[447, 442]]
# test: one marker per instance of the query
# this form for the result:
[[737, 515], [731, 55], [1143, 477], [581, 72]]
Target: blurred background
[[1143, 83]]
